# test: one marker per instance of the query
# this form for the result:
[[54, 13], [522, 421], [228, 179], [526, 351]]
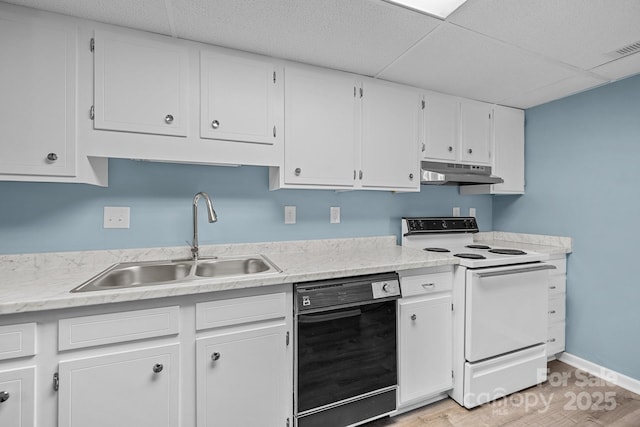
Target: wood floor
[[569, 398]]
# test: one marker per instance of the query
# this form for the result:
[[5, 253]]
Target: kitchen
[[563, 197]]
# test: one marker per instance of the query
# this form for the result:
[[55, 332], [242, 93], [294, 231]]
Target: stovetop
[[454, 236]]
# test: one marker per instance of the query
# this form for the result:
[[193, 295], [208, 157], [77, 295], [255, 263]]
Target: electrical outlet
[[289, 214], [116, 217], [472, 212], [335, 215], [456, 211]]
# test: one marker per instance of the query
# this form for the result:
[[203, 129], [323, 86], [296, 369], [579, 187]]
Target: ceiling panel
[[459, 62], [553, 91], [621, 68], [148, 15], [360, 36], [577, 32]]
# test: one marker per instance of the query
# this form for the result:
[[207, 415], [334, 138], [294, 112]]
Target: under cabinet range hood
[[436, 173]]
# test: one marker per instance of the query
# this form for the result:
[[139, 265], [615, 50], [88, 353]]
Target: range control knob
[[444, 224], [385, 288]]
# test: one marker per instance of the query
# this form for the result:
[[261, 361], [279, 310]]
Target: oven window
[[345, 353]]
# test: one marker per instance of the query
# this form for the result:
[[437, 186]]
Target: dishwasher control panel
[[385, 289]]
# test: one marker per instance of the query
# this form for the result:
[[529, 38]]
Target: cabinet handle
[[4, 396], [414, 317], [469, 151], [552, 312], [157, 368], [551, 340], [168, 119], [429, 286], [52, 157], [450, 148], [552, 287], [215, 356], [410, 177], [215, 124], [354, 174], [297, 171], [360, 175], [424, 147]]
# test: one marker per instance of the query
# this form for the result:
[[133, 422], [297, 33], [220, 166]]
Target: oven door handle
[[317, 318], [516, 271]]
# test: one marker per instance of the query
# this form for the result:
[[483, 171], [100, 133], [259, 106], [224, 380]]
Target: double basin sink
[[135, 274]]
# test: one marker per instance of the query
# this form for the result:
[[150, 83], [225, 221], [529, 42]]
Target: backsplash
[[47, 217]]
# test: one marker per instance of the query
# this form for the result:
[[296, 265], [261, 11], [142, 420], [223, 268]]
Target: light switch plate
[[289, 214], [456, 211], [334, 215], [116, 217], [472, 212]]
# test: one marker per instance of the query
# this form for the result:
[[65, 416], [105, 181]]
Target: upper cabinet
[[345, 133], [141, 85], [456, 130], [238, 98], [508, 146], [390, 133]]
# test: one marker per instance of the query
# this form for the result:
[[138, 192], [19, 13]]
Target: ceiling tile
[[360, 36], [621, 68], [553, 91], [148, 15], [576, 32], [460, 62]]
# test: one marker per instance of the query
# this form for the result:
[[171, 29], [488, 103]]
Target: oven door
[[506, 309], [345, 353]]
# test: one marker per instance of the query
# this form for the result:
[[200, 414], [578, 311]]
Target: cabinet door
[[441, 127], [241, 378], [135, 388], [508, 153], [390, 133], [476, 132], [425, 351], [141, 84], [38, 92], [320, 128], [239, 99], [17, 397]]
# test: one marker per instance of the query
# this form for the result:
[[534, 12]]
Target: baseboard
[[609, 375]]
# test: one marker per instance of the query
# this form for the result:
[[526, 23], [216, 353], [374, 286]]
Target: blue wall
[[583, 176], [45, 217]]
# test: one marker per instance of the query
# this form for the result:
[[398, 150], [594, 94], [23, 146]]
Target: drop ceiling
[[519, 53]]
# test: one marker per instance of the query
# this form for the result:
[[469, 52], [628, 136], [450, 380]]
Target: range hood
[[436, 173]]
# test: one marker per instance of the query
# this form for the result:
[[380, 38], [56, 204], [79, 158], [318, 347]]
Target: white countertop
[[35, 282]]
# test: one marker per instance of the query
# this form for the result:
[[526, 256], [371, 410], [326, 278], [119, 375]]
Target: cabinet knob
[[215, 356], [215, 124], [168, 119], [414, 317], [298, 171], [469, 151], [4, 396], [52, 157], [450, 148], [157, 368], [411, 177]]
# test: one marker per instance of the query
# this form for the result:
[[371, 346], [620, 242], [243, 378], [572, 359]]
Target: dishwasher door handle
[[515, 271], [317, 318]]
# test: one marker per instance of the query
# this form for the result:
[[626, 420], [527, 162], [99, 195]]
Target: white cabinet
[[425, 344], [241, 377], [17, 397], [456, 130], [508, 153], [239, 98], [141, 84], [342, 132], [322, 116], [38, 101], [390, 133], [133, 388]]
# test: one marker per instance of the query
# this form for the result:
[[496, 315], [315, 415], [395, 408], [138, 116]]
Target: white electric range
[[500, 309]]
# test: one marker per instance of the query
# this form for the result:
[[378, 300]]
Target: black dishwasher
[[346, 360]]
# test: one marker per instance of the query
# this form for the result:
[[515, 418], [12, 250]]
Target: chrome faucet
[[213, 217]]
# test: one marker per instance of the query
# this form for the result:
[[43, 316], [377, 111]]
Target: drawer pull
[[429, 286], [157, 368], [551, 340], [4, 396], [552, 312], [552, 287], [215, 356], [414, 317]]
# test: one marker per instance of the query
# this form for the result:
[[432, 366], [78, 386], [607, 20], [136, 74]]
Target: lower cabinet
[[17, 397], [135, 388], [242, 377]]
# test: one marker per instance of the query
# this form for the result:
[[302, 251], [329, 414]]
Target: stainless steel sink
[[135, 274]]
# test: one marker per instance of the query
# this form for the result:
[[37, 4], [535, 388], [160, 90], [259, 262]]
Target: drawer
[[556, 309], [556, 338], [557, 285], [560, 264], [215, 314], [17, 340], [426, 283], [89, 331]]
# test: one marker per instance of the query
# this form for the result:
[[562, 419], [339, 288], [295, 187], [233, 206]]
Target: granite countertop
[[36, 282]]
